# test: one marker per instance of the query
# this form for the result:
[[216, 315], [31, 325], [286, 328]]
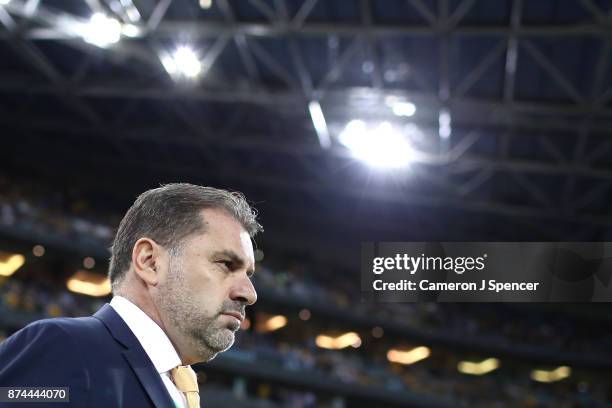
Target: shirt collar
[[154, 341]]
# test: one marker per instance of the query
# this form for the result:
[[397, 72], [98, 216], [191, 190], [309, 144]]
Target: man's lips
[[237, 315]]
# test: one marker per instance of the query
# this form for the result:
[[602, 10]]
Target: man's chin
[[230, 343], [212, 350], [225, 341]]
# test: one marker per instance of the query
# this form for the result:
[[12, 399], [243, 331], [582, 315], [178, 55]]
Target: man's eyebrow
[[234, 257]]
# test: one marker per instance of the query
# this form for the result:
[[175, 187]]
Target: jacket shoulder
[[45, 353]]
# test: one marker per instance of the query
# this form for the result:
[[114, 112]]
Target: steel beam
[[303, 13], [512, 50], [553, 71], [457, 157], [213, 29], [424, 11], [468, 110], [172, 29]]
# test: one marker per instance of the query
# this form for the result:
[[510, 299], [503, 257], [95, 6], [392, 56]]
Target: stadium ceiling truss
[[586, 116]]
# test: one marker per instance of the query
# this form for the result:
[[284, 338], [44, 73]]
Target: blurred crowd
[[364, 366], [35, 208], [43, 211], [32, 209], [438, 378], [498, 323], [43, 301]]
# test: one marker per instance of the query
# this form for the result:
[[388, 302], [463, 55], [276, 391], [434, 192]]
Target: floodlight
[[404, 109], [444, 122], [101, 30], [381, 146], [318, 121], [400, 107], [182, 63]]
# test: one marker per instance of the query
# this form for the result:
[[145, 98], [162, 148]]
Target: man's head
[[183, 254]]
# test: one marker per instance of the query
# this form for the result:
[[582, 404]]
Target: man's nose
[[243, 291]]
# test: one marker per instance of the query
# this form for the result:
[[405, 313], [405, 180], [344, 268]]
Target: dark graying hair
[[168, 215]]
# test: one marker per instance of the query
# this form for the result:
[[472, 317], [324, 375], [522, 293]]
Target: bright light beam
[[557, 374], [184, 63], [382, 146], [89, 284], [10, 263], [400, 107], [478, 368], [131, 11], [318, 120], [131, 30], [404, 109], [187, 62], [101, 30], [408, 357], [444, 122]]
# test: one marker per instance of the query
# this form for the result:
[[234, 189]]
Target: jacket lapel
[[136, 356], [149, 378]]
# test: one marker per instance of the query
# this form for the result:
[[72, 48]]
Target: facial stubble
[[202, 330]]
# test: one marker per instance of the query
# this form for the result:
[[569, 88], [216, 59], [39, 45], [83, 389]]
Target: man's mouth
[[236, 315]]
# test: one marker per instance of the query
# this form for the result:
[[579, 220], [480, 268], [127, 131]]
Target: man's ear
[[146, 260]]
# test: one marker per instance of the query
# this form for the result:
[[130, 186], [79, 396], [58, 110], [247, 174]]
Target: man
[[180, 271]]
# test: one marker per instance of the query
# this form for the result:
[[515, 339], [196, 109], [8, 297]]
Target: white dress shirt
[[154, 342]]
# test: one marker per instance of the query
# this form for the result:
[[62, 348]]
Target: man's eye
[[227, 264]]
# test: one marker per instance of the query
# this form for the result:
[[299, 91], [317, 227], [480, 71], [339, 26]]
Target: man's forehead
[[220, 218], [227, 234]]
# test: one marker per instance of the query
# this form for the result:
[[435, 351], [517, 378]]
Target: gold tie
[[186, 381]]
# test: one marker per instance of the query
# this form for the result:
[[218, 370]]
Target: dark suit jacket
[[98, 357]]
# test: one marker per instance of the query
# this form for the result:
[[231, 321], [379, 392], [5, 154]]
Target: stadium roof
[[525, 88]]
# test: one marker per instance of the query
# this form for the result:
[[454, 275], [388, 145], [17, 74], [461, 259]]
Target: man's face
[[208, 282]]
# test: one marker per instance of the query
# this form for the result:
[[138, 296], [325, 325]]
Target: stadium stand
[[286, 367]]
